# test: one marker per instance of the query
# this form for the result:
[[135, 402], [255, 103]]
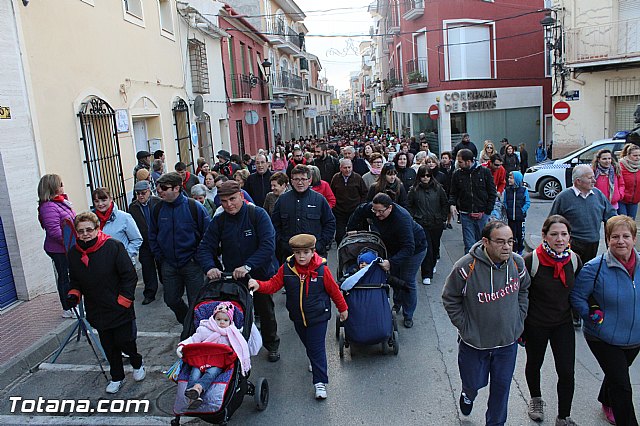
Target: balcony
[[287, 83], [392, 21], [415, 9], [247, 88], [304, 65], [393, 83], [285, 38], [601, 45], [417, 74]]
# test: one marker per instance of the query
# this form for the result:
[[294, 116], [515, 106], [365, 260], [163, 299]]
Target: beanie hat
[[225, 308], [367, 257]]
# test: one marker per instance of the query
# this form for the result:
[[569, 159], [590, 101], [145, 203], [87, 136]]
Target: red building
[[483, 64], [246, 86]]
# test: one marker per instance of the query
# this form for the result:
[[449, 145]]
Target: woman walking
[[606, 297], [609, 179], [487, 151], [388, 183], [53, 208], [629, 166], [553, 268], [429, 206], [524, 158], [510, 160], [403, 167]]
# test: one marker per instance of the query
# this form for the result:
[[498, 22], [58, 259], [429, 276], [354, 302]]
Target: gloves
[[179, 351], [72, 301], [596, 314]]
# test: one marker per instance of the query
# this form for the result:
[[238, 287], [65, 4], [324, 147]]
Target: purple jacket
[[52, 213]]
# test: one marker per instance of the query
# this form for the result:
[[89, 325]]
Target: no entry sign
[[561, 110], [434, 112]]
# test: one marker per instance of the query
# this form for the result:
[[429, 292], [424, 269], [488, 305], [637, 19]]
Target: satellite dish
[[198, 106], [251, 117]]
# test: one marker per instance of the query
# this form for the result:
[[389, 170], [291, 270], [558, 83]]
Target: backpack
[[535, 263], [193, 208]]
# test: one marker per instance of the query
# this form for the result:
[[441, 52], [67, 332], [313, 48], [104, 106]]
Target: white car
[[552, 176]]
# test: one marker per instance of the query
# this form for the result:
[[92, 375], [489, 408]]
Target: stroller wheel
[[341, 343], [394, 343], [261, 396], [337, 327]]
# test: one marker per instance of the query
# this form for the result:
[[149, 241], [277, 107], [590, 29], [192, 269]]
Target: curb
[[29, 359]]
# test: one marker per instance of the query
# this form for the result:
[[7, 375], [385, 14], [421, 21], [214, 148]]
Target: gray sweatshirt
[[486, 303]]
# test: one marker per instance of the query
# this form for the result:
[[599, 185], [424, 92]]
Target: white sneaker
[[114, 387], [68, 314], [139, 374], [321, 391], [426, 281]]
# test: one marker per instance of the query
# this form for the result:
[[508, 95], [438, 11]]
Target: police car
[[552, 176]]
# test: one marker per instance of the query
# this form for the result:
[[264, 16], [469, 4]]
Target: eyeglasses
[[377, 212], [166, 187], [299, 179], [138, 193], [503, 242], [61, 184], [85, 231]]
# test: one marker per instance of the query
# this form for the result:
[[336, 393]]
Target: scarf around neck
[[630, 165], [548, 257], [236, 340], [104, 217], [611, 174], [92, 246]]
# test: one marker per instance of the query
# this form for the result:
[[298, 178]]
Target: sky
[[338, 55]]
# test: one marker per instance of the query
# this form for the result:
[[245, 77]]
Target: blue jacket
[[402, 236], [309, 213], [241, 242], [123, 228], [307, 303], [258, 186], [541, 154], [174, 238], [516, 199], [616, 294]]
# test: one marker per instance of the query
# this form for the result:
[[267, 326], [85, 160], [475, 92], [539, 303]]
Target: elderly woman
[[405, 254], [606, 298], [210, 184], [102, 273], [199, 193], [53, 209], [116, 223], [388, 183], [376, 161], [419, 160], [322, 187], [553, 268], [241, 177], [279, 184], [629, 166]]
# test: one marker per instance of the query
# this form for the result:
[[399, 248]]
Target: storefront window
[[422, 123]]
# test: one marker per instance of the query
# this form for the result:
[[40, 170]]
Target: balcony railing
[[392, 21], [607, 43], [417, 71], [393, 81], [414, 9], [247, 86], [286, 80]]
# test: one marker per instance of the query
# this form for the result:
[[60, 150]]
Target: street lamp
[[266, 65]]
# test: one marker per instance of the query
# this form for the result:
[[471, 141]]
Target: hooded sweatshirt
[[516, 199], [485, 302]]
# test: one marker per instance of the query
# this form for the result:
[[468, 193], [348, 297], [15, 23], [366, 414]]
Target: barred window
[[199, 69]]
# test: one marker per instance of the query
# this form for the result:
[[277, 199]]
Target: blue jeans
[[472, 229], [175, 280], [408, 298], [476, 365], [313, 339], [205, 380], [62, 271], [627, 209]]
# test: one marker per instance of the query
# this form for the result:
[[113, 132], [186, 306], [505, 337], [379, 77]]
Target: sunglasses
[[166, 187]]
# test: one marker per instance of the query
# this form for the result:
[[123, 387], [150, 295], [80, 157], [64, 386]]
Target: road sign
[[561, 110], [434, 112]]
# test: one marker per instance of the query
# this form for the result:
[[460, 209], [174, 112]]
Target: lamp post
[[266, 65]]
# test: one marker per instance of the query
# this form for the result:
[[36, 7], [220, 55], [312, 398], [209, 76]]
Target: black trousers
[[117, 340], [264, 308], [563, 346], [433, 248], [585, 250], [150, 270], [517, 227], [616, 391], [341, 225]]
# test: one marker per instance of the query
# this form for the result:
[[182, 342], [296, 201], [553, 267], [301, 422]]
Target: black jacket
[[470, 145], [407, 176], [446, 181], [110, 274], [473, 190], [135, 209], [398, 188], [511, 163], [258, 186], [428, 206], [328, 166]]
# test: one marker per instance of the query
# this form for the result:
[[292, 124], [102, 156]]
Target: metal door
[[8, 293], [183, 133]]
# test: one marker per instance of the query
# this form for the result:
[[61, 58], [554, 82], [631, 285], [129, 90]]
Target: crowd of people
[[275, 216]]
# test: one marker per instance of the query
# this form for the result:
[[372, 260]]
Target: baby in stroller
[[219, 328]]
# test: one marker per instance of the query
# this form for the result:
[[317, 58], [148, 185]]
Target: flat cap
[[141, 185], [143, 154], [302, 241], [229, 187]]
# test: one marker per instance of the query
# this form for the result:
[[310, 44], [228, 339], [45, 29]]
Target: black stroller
[[224, 397], [371, 320]]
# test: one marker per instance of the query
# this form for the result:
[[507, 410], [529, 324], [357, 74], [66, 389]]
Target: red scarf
[[187, 176], [309, 271], [303, 162], [629, 265], [59, 198], [104, 217], [101, 239], [556, 264]]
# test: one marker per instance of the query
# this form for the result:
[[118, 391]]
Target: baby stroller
[[224, 397], [371, 319]]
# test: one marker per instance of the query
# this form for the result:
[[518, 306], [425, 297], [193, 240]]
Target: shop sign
[[470, 100], [573, 95]]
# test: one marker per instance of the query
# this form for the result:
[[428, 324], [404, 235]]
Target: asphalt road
[[419, 386]]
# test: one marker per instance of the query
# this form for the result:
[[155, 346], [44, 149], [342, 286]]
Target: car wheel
[[550, 188]]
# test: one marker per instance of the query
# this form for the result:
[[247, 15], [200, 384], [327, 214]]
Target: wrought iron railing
[[287, 80], [605, 42], [417, 71]]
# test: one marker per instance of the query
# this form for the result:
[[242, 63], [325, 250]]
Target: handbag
[[174, 371]]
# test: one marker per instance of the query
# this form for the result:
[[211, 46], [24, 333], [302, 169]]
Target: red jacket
[[499, 177], [602, 183], [631, 186], [324, 189]]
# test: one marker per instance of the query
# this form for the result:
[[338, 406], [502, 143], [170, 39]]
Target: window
[[133, 7], [243, 57], [198, 64], [166, 18], [469, 51]]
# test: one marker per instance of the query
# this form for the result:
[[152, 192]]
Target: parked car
[[552, 176]]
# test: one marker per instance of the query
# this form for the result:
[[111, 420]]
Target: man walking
[[486, 298], [472, 195], [245, 237], [140, 210], [176, 228], [465, 143], [327, 164], [258, 184], [350, 191]]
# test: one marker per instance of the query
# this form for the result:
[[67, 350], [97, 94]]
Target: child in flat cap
[[310, 287]]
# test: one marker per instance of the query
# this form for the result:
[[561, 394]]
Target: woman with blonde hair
[[53, 209], [608, 176], [241, 177], [487, 151]]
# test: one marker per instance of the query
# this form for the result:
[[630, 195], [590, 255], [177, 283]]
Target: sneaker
[[192, 393], [68, 314], [195, 404], [114, 387], [396, 308], [449, 226], [321, 390], [408, 323], [274, 356], [536, 409], [567, 421], [426, 281], [139, 374], [608, 414], [466, 405]]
